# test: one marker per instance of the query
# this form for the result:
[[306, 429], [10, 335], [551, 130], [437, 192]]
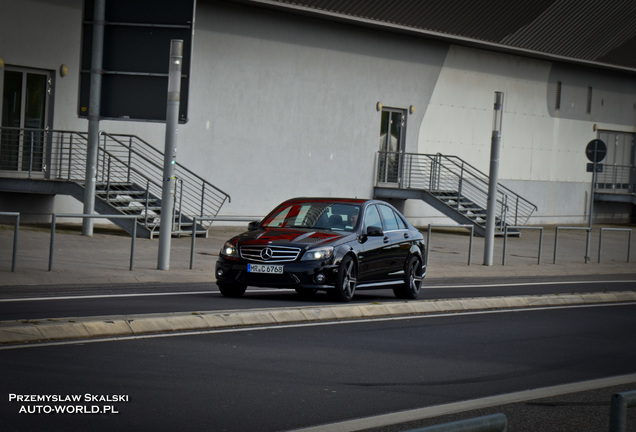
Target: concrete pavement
[[105, 259]]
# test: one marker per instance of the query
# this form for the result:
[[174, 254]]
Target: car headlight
[[318, 254], [229, 250]]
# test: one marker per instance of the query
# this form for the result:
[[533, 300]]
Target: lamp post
[[491, 209], [170, 153]]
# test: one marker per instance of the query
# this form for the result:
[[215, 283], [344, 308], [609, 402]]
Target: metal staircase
[[450, 185], [129, 174]]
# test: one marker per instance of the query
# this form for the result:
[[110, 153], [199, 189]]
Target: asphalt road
[[285, 378], [60, 302]]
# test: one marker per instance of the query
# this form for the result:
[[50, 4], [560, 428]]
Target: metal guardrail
[[587, 244], [488, 423], [91, 216], [629, 240], [16, 230], [442, 173], [54, 216], [618, 412], [471, 228], [505, 242]]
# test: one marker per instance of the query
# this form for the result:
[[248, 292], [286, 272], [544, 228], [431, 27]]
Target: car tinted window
[[390, 221], [401, 223], [372, 217], [317, 215]]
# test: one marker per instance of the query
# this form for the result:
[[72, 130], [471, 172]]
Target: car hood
[[303, 238]]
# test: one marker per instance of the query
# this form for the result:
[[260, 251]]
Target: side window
[[390, 221], [372, 217], [401, 223]]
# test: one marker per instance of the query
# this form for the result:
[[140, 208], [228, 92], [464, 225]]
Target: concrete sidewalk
[[105, 257]]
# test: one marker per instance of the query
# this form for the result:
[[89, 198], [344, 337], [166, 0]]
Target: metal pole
[[170, 153], [493, 179], [618, 412], [93, 115], [52, 242], [16, 230]]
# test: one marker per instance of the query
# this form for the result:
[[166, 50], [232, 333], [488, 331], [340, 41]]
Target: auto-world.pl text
[[86, 403]]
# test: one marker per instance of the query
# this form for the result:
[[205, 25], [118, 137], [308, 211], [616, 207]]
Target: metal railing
[[470, 228], [194, 196], [488, 423], [618, 413], [125, 162], [505, 241], [54, 217], [616, 179], [452, 175], [16, 230], [587, 242], [629, 240]]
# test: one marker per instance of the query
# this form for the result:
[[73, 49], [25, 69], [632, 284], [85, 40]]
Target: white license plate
[[265, 268]]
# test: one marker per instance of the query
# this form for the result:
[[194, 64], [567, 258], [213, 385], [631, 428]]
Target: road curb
[[25, 331]]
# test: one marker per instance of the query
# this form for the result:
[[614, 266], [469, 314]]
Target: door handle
[[386, 239], [406, 235]]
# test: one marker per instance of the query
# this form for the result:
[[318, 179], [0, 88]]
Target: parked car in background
[[335, 245]]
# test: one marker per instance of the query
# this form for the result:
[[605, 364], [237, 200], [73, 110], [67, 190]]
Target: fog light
[[320, 278], [219, 272]]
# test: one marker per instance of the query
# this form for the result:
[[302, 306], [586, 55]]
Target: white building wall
[[283, 105], [542, 157]]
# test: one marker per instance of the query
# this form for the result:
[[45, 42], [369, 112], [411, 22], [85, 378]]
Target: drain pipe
[[491, 209]]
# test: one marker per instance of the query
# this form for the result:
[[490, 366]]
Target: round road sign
[[596, 150]]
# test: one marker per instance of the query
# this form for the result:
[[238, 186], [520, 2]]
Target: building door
[[25, 98], [392, 135]]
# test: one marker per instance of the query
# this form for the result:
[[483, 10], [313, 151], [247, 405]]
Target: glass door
[[25, 96], [392, 133]]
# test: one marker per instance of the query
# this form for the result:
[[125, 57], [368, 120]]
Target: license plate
[[265, 268]]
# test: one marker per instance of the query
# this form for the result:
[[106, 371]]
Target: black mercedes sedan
[[335, 245]]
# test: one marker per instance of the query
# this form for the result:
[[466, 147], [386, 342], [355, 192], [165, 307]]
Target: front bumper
[[296, 274]]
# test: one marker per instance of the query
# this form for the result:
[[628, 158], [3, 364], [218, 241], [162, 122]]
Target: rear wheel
[[232, 289], [412, 279], [347, 280]]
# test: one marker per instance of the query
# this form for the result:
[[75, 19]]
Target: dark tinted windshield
[[315, 215]]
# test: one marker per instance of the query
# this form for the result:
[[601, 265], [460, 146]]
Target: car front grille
[[269, 253]]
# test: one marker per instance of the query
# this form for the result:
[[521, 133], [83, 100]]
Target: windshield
[[315, 215]]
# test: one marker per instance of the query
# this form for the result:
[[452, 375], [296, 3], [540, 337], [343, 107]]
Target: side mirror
[[253, 226], [374, 231]]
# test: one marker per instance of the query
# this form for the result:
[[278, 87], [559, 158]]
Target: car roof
[[327, 200]]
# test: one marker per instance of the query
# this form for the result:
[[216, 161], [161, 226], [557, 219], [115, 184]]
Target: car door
[[372, 259], [397, 243]]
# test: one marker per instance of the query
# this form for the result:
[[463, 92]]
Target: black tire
[[234, 290], [347, 280], [412, 279]]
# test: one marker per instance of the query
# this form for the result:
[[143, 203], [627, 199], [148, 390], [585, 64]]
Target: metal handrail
[[122, 159], [194, 196], [470, 228], [616, 179], [437, 172]]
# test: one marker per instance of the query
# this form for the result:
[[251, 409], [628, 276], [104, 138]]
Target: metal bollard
[[618, 413]]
